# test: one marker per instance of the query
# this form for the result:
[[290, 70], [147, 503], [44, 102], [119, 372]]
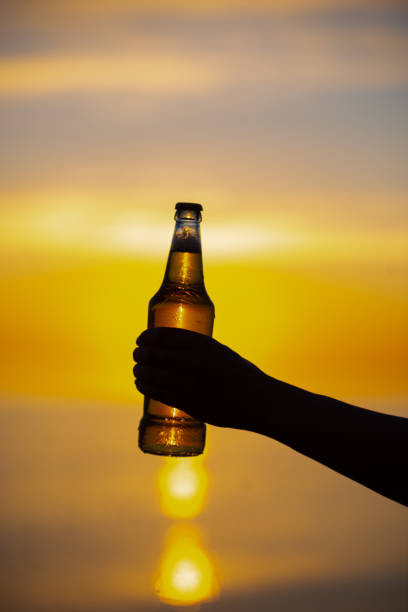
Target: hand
[[198, 375]]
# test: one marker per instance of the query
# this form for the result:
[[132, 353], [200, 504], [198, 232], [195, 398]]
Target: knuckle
[[140, 338], [139, 371]]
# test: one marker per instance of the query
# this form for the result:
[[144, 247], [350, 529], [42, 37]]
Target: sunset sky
[[288, 121]]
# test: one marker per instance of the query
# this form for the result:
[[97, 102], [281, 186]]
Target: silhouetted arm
[[367, 446], [209, 381]]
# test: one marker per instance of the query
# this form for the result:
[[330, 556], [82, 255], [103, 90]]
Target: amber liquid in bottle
[[181, 301]]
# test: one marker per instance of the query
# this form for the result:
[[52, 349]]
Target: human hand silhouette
[[212, 383], [198, 375]]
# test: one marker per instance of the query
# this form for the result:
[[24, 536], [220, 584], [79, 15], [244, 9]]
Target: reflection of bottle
[[181, 301]]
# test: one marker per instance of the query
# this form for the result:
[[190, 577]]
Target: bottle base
[[171, 437]]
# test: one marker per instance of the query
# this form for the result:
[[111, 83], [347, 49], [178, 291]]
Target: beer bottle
[[181, 301]]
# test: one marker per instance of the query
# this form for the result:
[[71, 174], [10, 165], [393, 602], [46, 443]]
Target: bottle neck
[[185, 264]]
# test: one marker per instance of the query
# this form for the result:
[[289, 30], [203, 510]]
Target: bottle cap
[[190, 205]]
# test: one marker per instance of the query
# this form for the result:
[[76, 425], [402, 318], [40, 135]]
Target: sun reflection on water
[[186, 575], [182, 486]]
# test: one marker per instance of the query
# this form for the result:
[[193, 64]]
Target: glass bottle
[[181, 301]]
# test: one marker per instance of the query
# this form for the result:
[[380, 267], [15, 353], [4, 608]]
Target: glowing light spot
[[182, 486], [183, 482], [186, 574], [180, 309]]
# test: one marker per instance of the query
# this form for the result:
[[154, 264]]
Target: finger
[[170, 359], [170, 398], [172, 337], [165, 379], [149, 391]]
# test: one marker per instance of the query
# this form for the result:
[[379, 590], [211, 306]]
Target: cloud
[[155, 73], [27, 10], [99, 223], [265, 54], [245, 101]]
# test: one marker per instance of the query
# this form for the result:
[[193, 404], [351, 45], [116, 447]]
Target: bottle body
[[181, 301]]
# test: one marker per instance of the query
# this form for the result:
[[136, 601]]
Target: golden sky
[[288, 121]]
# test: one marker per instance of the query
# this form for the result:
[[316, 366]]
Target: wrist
[[279, 409]]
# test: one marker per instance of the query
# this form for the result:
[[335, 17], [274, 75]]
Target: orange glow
[[36, 76], [186, 574], [182, 487], [88, 290]]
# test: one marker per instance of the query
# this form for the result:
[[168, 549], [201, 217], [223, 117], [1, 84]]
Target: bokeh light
[[186, 574], [182, 487]]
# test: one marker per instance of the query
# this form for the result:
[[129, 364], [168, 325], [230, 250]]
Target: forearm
[[366, 446]]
